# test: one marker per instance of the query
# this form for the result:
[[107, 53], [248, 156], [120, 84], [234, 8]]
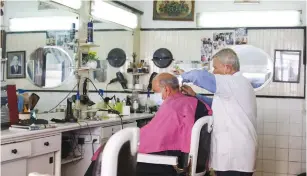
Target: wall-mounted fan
[[116, 57], [162, 58]]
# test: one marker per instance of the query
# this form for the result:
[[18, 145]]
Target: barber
[[234, 137]]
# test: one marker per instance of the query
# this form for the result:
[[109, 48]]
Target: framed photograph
[[16, 64], [287, 65], [173, 10]]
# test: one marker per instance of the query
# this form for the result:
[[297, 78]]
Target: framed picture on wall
[[16, 64], [287, 65], [173, 10]]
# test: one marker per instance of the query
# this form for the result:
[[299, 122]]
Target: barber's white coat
[[234, 137]]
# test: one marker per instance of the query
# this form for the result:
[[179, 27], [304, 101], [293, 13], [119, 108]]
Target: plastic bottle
[[77, 101]]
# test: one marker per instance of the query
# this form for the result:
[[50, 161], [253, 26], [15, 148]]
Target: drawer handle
[[46, 143], [14, 151]]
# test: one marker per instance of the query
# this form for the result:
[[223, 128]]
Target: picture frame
[[185, 10], [287, 66], [16, 65]]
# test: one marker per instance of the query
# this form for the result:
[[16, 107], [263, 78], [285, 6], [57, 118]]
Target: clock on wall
[[116, 57], [162, 58]]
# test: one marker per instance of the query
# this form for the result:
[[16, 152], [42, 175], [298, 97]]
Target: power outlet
[[88, 139]]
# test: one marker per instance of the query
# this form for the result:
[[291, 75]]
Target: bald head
[[165, 83]]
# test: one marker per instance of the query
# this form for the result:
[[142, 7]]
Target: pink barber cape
[[171, 127]]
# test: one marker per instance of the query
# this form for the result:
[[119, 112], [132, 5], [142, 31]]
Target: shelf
[[89, 45], [138, 74], [71, 159], [87, 68]]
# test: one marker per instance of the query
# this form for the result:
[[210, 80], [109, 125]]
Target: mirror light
[[283, 18], [74, 4], [42, 23], [108, 12]]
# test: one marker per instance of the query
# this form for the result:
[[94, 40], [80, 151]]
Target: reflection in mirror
[[287, 66], [49, 67], [255, 64], [100, 74]]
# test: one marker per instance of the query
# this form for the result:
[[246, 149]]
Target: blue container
[[90, 31]]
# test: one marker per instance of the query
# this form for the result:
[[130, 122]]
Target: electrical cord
[[63, 99], [121, 119]]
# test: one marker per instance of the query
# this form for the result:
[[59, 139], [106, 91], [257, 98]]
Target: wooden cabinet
[[22, 158], [14, 168], [43, 164]]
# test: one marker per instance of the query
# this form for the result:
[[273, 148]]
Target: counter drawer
[[15, 151], [46, 145]]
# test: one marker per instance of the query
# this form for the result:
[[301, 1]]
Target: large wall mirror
[[49, 53]]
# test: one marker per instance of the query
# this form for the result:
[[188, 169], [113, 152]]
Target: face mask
[[159, 99]]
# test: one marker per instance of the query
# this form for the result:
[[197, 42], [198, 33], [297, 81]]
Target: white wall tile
[[281, 167], [304, 143], [296, 116], [269, 141], [269, 128], [282, 129], [270, 115], [282, 154], [260, 140], [304, 156], [260, 153], [283, 115], [269, 166], [303, 169], [269, 153], [260, 127], [295, 155], [282, 141], [259, 165], [296, 129], [268, 174], [257, 174], [294, 168], [295, 142], [260, 115]]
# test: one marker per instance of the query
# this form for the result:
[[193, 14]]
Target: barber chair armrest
[[157, 159]]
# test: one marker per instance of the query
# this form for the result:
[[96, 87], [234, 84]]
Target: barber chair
[[119, 153], [194, 163]]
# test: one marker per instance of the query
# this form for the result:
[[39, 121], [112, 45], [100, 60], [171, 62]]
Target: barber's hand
[[178, 71], [187, 90]]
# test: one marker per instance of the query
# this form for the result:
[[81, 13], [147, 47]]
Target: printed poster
[[221, 40], [206, 50], [241, 36]]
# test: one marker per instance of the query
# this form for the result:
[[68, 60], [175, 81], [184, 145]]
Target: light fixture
[[42, 23], [107, 12], [74, 4], [282, 18]]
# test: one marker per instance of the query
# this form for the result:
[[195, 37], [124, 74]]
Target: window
[[287, 66], [249, 19], [108, 12], [42, 23]]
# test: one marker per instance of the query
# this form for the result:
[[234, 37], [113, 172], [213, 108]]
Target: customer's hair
[[229, 57], [172, 82]]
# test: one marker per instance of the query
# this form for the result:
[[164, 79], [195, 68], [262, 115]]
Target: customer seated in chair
[[169, 132]]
